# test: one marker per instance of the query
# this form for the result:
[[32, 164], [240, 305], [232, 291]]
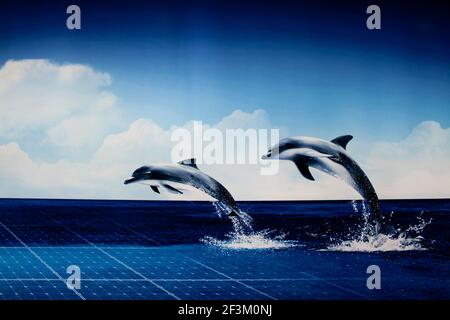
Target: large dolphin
[[332, 158], [184, 172]]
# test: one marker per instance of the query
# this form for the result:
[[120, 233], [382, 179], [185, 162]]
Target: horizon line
[[265, 200]]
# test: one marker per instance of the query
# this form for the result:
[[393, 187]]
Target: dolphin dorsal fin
[[342, 140], [189, 162]]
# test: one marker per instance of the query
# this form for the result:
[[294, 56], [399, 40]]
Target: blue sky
[[314, 68]]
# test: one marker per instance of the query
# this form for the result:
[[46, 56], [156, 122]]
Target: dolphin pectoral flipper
[[304, 170], [171, 189], [155, 188], [342, 140], [189, 162]]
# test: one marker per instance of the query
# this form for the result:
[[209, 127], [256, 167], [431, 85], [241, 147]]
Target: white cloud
[[146, 142], [23, 177], [412, 168], [102, 176], [67, 104], [416, 167], [238, 119], [143, 142]]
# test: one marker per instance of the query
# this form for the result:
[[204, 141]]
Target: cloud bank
[[69, 108], [415, 167], [64, 106]]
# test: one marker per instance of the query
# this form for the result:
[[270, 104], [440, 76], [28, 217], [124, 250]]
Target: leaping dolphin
[[184, 172], [330, 157]]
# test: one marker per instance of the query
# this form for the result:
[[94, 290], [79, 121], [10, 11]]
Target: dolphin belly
[[363, 186], [347, 170], [334, 169], [350, 172]]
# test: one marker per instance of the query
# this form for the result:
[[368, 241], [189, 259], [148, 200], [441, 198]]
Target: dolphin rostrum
[[332, 158], [159, 176]]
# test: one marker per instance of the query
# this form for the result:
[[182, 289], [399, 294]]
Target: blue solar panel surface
[[137, 250]]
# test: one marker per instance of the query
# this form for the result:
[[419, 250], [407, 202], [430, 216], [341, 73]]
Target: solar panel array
[[119, 260]]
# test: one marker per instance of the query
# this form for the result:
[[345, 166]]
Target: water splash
[[380, 242], [243, 235], [368, 240], [264, 239]]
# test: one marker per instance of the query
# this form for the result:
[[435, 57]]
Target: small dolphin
[[184, 172], [332, 158]]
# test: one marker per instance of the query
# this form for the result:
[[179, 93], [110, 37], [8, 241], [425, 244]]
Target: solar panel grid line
[[298, 272], [14, 247], [188, 280], [83, 247], [60, 278], [341, 287], [239, 281], [193, 260], [116, 259], [196, 261], [327, 281]]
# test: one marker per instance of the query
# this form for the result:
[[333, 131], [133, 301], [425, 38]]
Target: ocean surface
[[187, 250]]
